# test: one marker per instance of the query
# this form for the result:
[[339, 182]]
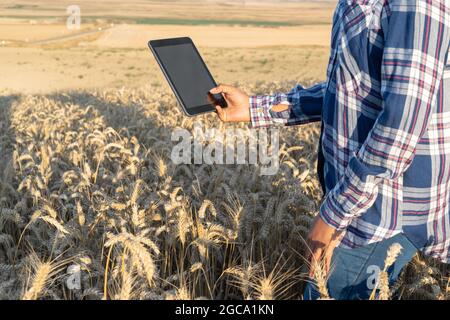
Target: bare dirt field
[[242, 43], [271, 13], [132, 36], [38, 70]]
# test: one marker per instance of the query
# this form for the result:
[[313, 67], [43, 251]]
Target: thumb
[[222, 88], [221, 113]]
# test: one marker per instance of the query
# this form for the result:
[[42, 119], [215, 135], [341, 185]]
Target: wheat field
[[87, 181]]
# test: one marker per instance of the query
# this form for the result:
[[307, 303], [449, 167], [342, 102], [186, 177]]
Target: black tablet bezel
[[197, 110]]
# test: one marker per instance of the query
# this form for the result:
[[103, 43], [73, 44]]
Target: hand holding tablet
[[193, 84], [238, 109], [187, 75]]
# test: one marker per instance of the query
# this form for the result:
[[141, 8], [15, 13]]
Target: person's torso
[[352, 104]]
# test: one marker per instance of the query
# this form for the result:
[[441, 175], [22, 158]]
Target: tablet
[[187, 75]]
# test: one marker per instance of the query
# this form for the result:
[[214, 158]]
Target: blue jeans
[[354, 272]]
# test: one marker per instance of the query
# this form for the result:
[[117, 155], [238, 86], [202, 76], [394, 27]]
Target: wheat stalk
[[383, 281]]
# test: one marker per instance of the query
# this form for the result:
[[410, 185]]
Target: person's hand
[[322, 240], [238, 109]]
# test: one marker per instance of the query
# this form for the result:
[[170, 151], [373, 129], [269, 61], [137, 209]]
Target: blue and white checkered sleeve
[[304, 106]]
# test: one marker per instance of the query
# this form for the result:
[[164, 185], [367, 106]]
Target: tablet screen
[[188, 74]]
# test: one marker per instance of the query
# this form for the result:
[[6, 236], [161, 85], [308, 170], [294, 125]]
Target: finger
[[328, 262], [222, 88], [329, 256], [309, 252], [221, 113], [211, 99]]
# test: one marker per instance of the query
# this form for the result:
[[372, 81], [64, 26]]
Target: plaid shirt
[[385, 112]]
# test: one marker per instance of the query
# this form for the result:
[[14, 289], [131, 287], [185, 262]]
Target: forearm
[[299, 106]]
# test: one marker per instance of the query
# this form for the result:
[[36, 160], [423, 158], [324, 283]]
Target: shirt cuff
[[261, 114], [351, 197], [260, 111], [333, 216]]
